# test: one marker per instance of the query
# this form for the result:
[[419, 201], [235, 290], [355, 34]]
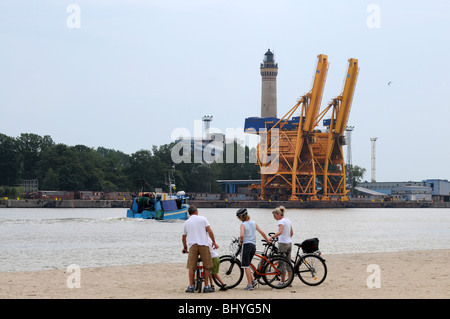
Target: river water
[[39, 239]]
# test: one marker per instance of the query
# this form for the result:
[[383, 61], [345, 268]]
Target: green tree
[[113, 166], [30, 147], [91, 161], [9, 161], [62, 167], [354, 175], [150, 168], [51, 181], [65, 162], [240, 166]]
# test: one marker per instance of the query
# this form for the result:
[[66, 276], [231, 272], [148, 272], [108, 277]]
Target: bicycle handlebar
[[274, 239]]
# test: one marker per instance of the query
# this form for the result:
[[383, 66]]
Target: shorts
[[248, 251], [214, 270], [284, 249], [204, 253]]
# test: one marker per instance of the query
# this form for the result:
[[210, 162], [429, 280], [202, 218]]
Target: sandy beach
[[406, 274]]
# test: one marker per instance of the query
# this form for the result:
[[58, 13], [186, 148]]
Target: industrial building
[[436, 190]]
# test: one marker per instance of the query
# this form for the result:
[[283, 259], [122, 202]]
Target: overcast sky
[[124, 74]]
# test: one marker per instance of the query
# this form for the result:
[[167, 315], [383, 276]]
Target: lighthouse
[[269, 72]]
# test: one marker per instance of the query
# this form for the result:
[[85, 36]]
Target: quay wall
[[317, 204], [79, 203], [65, 203]]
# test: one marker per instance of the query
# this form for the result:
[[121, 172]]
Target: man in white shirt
[[195, 239]]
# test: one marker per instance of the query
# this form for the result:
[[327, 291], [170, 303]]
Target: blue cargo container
[[261, 124]]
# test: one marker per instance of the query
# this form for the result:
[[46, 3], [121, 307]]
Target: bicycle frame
[[275, 271], [199, 276], [200, 269], [263, 261], [298, 255]]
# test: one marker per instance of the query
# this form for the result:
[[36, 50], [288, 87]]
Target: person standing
[[195, 239], [284, 234], [214, 271], [247, 241]]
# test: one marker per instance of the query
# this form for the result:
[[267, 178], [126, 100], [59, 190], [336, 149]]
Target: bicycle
[[199, 276], [309, 265], [269, 268]]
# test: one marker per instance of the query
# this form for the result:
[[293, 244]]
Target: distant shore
[[79, 203]]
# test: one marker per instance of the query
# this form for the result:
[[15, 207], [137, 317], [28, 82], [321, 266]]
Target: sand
[[406, 274]]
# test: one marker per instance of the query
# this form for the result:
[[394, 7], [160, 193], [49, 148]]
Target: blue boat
[[159, 206]]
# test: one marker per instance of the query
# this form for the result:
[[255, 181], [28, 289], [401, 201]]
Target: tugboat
[[159, 206]]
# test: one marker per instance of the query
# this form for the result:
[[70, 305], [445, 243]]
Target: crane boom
[[310, 111], [346, 97], [334, 181], [316, 92]]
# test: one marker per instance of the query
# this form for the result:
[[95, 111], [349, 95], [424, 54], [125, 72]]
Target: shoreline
[[80, 203], [403, 275]]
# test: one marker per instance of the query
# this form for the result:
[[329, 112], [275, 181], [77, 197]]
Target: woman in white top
[[284, 234]]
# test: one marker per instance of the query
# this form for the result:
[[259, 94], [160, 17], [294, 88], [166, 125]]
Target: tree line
[[80, 168]]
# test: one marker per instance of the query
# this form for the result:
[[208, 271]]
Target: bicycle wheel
[[230, 272], [311, 269], [278, 272], [198, 280]]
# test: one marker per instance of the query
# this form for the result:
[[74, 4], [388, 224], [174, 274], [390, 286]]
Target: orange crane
[[284, 145], [304, 165], [334, 182], [297, 161]]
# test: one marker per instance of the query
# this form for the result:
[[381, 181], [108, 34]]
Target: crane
[[284, 151], [303, 179], [334, 182], [297, 161]]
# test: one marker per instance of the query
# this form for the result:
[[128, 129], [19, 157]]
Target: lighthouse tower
[[269, 72]]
